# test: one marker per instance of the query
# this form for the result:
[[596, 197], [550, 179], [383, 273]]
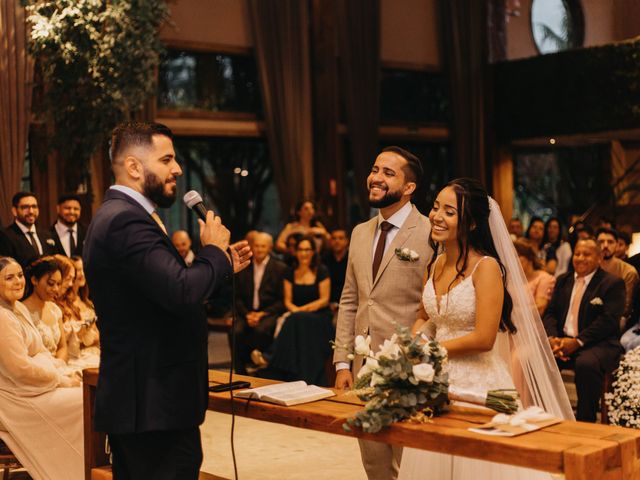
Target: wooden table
[[580, 451]]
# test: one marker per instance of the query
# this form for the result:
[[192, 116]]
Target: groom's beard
[[389, 199]]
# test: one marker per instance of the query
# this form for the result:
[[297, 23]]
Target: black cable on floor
[[231, 370]]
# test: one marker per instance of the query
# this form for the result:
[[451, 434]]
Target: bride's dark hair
[[474, 233]]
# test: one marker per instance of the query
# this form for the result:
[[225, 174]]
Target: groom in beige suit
[[380, 289]]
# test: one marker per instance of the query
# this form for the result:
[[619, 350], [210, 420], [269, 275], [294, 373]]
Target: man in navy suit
[[28, 241], [582, 322], [152, 388], [68, 232]]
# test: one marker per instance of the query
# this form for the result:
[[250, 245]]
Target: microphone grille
[[191, 198]]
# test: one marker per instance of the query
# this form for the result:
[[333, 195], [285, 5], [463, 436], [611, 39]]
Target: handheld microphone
[[193, 201]]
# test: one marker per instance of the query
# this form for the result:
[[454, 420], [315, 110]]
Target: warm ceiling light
[[552, 141]]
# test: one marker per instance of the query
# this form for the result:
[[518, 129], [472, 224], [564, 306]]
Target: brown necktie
[[382, 240], [156, 217], [575, 304]]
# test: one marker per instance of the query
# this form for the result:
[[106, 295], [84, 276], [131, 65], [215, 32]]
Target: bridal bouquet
[[404, 379], [624, 402]]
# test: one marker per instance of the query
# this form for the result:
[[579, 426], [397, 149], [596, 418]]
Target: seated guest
[[582, 322], [259, 300], [45, 278], [67, 232], [336, 262], [540, 282], [6, 247], [88, 333], [557, 251], [608, 241], [44, 422], [515, 228], [302, 347], [624, 240], [292, 242], [182, 242], [305, 223], [535, 233], [78, 333], [28, 241]]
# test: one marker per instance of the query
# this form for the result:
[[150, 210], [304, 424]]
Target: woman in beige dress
[[44, 277], [40, 405]]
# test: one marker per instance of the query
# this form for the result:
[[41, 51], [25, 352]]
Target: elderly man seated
[[182, 242], [582, 322], [259, 300]]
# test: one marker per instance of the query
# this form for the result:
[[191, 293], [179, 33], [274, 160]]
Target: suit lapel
[[587, 297], [401, 237]]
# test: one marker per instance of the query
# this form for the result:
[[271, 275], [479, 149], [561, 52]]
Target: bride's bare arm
[[487, 281]]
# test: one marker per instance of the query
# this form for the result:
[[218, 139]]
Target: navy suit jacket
[[23, 251], [81, 234], [598, 321], [153, 329]]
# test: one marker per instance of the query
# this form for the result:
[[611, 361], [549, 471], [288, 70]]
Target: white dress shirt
[[397, 220], [568, 322], [63, 234], [137, 196], [32, 228], [258, 273]]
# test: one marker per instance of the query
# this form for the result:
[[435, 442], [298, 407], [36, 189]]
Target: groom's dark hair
[[413, 169]]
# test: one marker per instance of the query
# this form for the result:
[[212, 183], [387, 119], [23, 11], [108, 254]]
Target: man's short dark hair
[[68, 196], [607, 231], [625, 237], [135, 133], [413, 170], [20, 195]]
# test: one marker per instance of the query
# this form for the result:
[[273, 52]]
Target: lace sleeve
[[30, 372]]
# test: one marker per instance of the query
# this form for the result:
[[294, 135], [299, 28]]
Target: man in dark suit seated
[[68, 232], [152, 391], [582, 322], [27, 240], [336, 262], [259, 301]]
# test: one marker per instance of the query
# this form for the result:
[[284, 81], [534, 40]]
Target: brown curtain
[[16, 78], [281, 31], [359, 49], [464, 43]]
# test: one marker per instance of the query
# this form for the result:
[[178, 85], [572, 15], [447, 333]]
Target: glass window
[[415, 97], [559, 182], [215, 82], [235, 178]]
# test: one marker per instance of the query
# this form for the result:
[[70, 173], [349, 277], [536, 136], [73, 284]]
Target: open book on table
[[287, 394]]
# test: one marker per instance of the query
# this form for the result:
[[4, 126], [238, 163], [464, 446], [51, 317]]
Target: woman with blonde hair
[[42, 422]]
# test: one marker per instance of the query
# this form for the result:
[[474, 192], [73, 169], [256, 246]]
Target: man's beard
[[389, 199], [153, 189]]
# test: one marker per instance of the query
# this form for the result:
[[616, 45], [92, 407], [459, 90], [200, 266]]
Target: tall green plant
[[97, 60]]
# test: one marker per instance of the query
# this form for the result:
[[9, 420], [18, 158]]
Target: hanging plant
[[97, 61]]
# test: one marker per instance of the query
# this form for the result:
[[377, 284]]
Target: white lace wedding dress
[[454, 315]]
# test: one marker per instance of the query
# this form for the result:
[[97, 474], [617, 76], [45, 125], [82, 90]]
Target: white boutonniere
[[51, 241], [596, 301], [407, 255]]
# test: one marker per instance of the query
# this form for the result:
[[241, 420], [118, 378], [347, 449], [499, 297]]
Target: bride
[[475, 297]]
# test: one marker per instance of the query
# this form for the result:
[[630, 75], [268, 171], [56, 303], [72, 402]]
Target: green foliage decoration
[[97, 62]]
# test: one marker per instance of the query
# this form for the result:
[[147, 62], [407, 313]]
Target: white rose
[[362, 345], [370, 364], [406, 252], [389, 348], [414, 256], [424, 372], [376, 379]]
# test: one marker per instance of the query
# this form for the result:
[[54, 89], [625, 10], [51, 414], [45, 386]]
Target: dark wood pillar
[[328, 161]]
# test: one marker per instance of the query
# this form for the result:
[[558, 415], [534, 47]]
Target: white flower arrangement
[[51, 241], [596, 301], [407, 255], [407, 378], [623, 403]]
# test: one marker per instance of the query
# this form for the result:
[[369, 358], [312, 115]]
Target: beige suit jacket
[[373, 306]]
